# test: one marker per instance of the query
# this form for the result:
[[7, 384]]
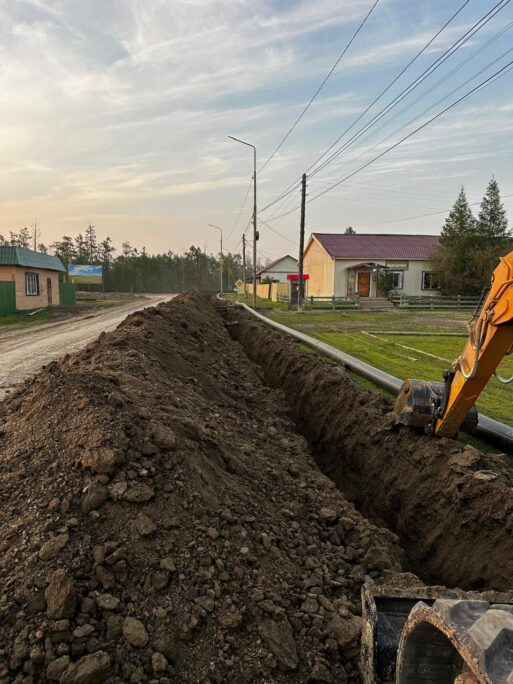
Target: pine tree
[[106, 251], [492, 221], [91, 244], [21, 239], [81, 250], [64, 249]]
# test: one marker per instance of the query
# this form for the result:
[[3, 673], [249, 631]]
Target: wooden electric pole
[[301, 246], [244, 264]]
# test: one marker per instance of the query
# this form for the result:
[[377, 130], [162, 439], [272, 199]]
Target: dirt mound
[[161, 520], [450, 505]]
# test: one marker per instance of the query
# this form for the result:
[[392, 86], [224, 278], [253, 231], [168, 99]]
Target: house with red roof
[[278, 270], [344, 265]]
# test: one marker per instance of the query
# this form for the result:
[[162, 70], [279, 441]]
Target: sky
[[116, 113]]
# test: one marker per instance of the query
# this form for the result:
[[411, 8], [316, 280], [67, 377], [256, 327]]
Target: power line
[[445, 97], [434, 213], [261, 251], [488, 80], [449, 74], [241, 209], [494, 76], [412, 86], [291, 129], [403, 93], [278, 233]]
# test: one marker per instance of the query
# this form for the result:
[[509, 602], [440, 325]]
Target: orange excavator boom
[[442, 408]]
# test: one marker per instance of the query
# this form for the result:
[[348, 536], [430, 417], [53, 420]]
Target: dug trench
[[450, 505], [161, 519]]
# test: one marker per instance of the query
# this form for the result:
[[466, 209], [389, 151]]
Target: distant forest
[[134, 270]]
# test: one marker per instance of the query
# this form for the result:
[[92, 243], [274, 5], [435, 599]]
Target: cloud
[[108, 105]]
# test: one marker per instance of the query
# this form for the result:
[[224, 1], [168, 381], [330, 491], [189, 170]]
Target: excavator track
[[434, 635], [457, 642]]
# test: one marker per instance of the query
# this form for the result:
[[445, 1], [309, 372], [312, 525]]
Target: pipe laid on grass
[[488, 429]]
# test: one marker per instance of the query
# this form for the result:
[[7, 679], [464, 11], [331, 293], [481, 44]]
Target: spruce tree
[[460, 222], [492, 221], [469, 249]]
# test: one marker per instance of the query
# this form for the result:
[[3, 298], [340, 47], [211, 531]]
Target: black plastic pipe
[[488, 429]]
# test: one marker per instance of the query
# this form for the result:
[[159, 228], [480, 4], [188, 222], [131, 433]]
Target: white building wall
[[412, 284], [412, 278], [280, 270]]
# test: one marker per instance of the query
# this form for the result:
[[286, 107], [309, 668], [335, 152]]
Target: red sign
[[295, 276]]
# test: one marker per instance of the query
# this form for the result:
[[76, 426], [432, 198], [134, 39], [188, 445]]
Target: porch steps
[[376, 304]]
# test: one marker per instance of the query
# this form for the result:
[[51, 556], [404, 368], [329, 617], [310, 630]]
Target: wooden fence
[[435, 302], [331, 303], [273, 291]]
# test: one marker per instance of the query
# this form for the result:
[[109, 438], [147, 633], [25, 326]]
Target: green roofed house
[[28, 279]]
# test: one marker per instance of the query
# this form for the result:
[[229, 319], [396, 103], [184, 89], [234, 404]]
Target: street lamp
[[255, 232], [218, 228]]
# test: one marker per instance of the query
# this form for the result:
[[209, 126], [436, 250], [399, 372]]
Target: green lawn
[[388, 341]]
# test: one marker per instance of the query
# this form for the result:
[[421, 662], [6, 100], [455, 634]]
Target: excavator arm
[[443, 408]]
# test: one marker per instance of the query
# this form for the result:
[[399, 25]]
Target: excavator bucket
[[418, 401]]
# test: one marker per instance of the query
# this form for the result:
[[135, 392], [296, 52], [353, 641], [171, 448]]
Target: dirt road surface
[[24, 352]]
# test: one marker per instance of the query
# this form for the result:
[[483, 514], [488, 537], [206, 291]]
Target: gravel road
[[24, 351]]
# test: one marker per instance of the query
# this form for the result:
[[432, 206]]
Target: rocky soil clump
[[162, 521]]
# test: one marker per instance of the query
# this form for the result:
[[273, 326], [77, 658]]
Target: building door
[[49, 290], [364, 283]]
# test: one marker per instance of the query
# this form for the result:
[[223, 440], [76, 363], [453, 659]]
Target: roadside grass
[[423, 356], [22, 318], [261, 303]]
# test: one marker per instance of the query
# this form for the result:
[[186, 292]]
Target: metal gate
[[7, 297]]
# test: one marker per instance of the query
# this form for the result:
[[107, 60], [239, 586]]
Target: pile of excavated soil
[[451, 505], [162, 521]]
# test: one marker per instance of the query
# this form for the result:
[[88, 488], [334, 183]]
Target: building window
[[32, 284], [397, 280], [430, 280]]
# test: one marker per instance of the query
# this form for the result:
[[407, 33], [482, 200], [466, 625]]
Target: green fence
[[7, 298], [67, 293]]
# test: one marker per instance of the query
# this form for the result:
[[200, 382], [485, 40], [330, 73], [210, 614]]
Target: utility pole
[[301, 246], [244, 264], [222, 259], [255, 231]]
